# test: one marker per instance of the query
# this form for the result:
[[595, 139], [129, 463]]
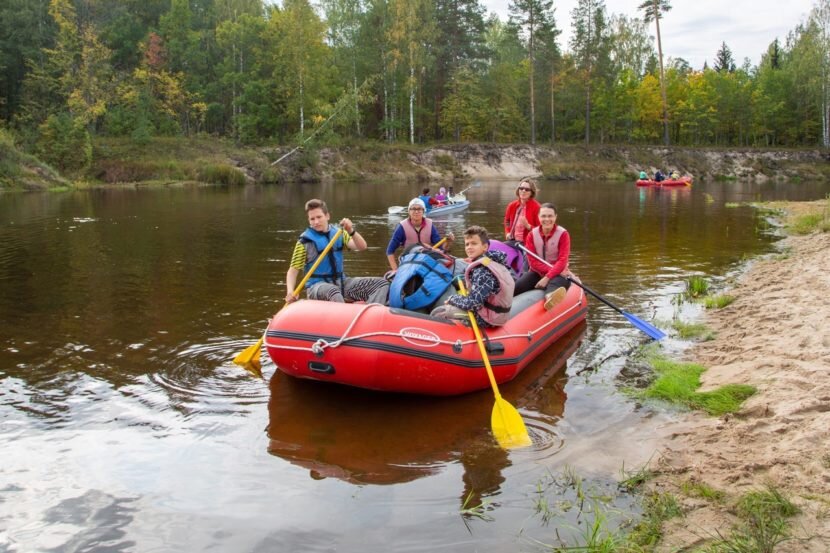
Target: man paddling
[[329, 282]]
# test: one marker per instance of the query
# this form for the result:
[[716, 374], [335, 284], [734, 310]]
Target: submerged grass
[[696, 286], [678, 383]]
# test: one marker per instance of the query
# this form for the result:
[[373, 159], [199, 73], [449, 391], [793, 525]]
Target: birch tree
[[652, 10]]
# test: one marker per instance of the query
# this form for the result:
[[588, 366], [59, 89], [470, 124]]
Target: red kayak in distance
[[682, 181]]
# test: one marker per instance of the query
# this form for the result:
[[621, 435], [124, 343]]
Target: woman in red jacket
[[522, 214]]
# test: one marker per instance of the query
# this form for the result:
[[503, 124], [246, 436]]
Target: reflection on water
[[125, 426], [371, 438]]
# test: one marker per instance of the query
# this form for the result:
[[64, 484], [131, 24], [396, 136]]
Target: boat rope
[[321, 344]]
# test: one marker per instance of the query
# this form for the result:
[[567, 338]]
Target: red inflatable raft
[[394, 350], [682, 181]]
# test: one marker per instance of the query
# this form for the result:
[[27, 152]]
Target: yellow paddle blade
[[249, 354], [508, 426], [254, 367]]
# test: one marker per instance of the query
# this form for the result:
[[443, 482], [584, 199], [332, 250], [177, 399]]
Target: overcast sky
[[694, 29]]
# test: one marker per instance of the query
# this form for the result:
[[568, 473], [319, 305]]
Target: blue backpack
[[423, 275]]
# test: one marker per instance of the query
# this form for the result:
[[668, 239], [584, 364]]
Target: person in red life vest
[[329, 282], [489, 284], [415, 229], [522, 214], [552, 243]]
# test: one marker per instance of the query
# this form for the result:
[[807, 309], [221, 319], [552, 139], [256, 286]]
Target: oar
[[439, 243], [649, 329], [508, 426], [476, 184], [249, 357]]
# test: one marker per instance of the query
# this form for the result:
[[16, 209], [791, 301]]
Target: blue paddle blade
[[651, 330]]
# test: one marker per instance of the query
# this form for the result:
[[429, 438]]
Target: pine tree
[[723, 60]]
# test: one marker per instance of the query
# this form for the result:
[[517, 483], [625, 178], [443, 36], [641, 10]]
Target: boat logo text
[[419, 337]]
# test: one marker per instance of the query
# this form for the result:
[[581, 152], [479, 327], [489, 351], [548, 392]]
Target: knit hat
[[416, 202]]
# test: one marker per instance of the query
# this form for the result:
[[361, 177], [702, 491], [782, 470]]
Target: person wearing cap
[[329, 282], [415, 229]]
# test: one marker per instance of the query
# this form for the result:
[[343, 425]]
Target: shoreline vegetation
[[164, 161], [758, 479]]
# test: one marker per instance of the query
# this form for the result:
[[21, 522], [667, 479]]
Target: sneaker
[[552, 299]]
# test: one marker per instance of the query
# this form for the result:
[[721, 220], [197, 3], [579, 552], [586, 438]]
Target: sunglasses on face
[[524, 189]]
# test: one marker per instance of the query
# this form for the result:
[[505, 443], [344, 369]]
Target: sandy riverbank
[[776, 337]]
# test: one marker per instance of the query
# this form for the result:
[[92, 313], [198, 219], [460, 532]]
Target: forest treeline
[[415, 71]]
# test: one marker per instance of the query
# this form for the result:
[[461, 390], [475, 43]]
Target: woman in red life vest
[[552, 243]]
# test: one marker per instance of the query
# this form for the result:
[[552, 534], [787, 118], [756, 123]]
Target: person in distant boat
[[552, 243], [643, 175], [659, 176], [415, 229], [522, 214], [675, 175], [429, 201], [488, 282], [329, 282], [441, 197]]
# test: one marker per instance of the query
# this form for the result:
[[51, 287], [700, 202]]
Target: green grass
[[658, 508], [703, 491], [221, 174], [717, 302], [634, 479], [678, 383], [19, 170], [688, 331], [764, 524], [475, 511], [696, 286]]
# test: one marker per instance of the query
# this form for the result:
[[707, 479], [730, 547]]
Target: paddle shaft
[[475, 184], [597, 296], [481, 347]]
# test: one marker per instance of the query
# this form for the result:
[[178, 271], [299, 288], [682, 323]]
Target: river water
[[125, 426]]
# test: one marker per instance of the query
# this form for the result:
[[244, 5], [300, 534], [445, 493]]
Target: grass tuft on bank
[[678, 382], [763, 524]]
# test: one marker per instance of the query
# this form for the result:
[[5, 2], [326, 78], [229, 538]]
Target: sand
[[776, 337]]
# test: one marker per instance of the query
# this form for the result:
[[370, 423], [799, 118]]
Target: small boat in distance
[[457, 203], [682, 181]]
